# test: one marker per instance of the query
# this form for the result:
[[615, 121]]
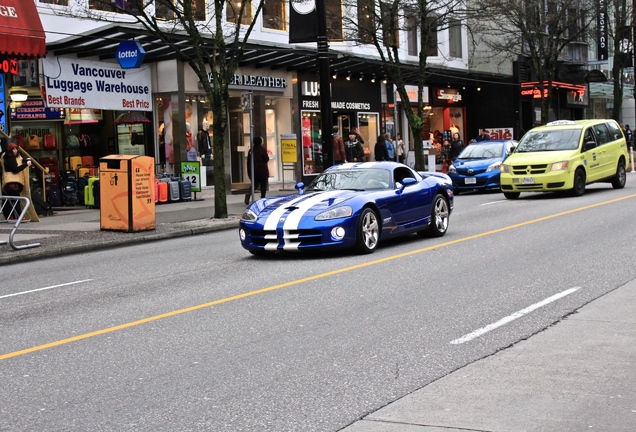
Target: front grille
[[287, 238], [304, 237], [472, 173], [529, 169]]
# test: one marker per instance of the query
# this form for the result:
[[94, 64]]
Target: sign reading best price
[[74, 83]]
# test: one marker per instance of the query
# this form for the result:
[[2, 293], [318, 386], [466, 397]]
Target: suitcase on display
[[69, 193], [53, 176], [163, 192], [91, 192], [73, 163], [88, 162], [185, 190], [41, 207], [173, 190], [83, 172], [82, 182], [54, 196]]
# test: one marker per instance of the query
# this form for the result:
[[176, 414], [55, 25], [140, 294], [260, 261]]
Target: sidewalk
[[577, 375], [77, 229]]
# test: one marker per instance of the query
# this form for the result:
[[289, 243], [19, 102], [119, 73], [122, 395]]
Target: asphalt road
[[196, 334]]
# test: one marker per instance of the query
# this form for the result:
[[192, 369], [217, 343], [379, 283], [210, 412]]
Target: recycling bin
[[127, 193]]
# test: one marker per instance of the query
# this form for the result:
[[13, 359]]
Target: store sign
[[448, 95], [9, 66], [130, 55], [312, 89], [289, 148], [251, 82], [500, 133], [35, 110], [72, 83], [411, 92]]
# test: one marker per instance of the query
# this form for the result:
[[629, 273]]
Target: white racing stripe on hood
[[272, 220], [293, 219]]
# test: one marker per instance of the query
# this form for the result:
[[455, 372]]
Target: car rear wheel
[[619, 180], [368, 232], [440, 216], [512, 195], [579, 183]]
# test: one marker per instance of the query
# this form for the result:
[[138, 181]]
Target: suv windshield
[[550, 140]]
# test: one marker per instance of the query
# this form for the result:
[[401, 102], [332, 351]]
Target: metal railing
[[16, 217]]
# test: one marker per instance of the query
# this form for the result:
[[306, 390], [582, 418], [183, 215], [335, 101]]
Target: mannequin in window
[[204, 144], [191, 151]]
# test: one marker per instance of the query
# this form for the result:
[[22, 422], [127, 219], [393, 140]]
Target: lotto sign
[[191, 171]]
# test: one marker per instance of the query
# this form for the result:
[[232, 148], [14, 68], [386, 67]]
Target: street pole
[[325, 85]]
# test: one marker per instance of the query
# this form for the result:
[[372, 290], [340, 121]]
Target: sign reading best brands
[[72, 83]]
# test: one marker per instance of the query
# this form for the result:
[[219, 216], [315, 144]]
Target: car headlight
[[560, 166], [338, 212], [452, 169], [504, 168], [248, 216], [494, 167]]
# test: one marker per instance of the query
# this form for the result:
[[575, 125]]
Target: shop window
[[312, 143], [334, 20], [368, 130], [390, 25], [366, 27], [274, 14], [455, 38], [234, 8]]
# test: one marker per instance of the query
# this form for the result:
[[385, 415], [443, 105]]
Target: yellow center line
[[295, 282]]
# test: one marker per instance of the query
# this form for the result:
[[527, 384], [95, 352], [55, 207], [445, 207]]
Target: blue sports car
[[477, 166], [353, 205]]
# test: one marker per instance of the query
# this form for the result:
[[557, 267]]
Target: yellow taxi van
[[566, 155]]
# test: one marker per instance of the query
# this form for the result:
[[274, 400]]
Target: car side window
[[400, 174], [602, 134], [614, 131]]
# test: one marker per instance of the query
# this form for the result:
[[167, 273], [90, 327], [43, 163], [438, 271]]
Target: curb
[[37, 253]]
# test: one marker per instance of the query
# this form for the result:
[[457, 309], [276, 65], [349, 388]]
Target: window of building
[[390, 25], [366, 14], [55, 2], [234, 8], [164, 9], [455, 38], [411, 35], [334, 20], [274, 14], [431, 37], [118, 6]]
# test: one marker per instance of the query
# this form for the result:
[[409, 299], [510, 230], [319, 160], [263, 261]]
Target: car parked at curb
[[566, 155], [352, 205], [477, 166]]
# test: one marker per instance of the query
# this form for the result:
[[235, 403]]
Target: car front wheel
[[368, 233], [579, 183]]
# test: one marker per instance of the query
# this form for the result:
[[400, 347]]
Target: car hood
[[309, 203], [544, 157], [475, 164]]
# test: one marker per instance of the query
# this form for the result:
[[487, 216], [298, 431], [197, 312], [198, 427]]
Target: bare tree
[[540, 30], [214, 52], [380, 25]]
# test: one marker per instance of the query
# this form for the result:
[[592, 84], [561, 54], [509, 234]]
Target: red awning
[[21, 32]]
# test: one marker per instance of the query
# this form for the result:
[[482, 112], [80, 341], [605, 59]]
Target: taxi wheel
[[579, 183], [512, 195], [619, 180]]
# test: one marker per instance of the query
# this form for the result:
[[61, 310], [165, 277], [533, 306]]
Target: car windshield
[[482, 151], [550, 140], [351, 179]]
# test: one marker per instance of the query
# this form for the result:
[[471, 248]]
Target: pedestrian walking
[[380, 150], [260, 178], [353, 148], [339, 153]]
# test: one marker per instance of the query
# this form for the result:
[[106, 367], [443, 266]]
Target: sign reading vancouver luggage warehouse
[[71, 83]]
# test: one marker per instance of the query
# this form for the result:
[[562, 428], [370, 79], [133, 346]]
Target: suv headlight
[[504, 168], [560, 166], [452, 169], [338, 212]]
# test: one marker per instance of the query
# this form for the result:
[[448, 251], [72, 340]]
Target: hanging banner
[[602, 39], [72, 83], [303, 21]]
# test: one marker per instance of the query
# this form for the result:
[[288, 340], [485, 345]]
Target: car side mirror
[[589, 145], [301, 188], [405, 182]]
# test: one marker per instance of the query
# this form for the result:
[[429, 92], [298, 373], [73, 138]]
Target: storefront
[[447, 113], [271, 117], [354, 103], [568, 102]]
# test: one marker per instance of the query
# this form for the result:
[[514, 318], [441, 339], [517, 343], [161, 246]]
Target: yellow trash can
[[127, 193]]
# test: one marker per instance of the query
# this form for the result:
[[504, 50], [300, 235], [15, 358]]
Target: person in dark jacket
[[13, 178], [380, 151], [353, 148], [339, 153], [456, 146], [260, 178]]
